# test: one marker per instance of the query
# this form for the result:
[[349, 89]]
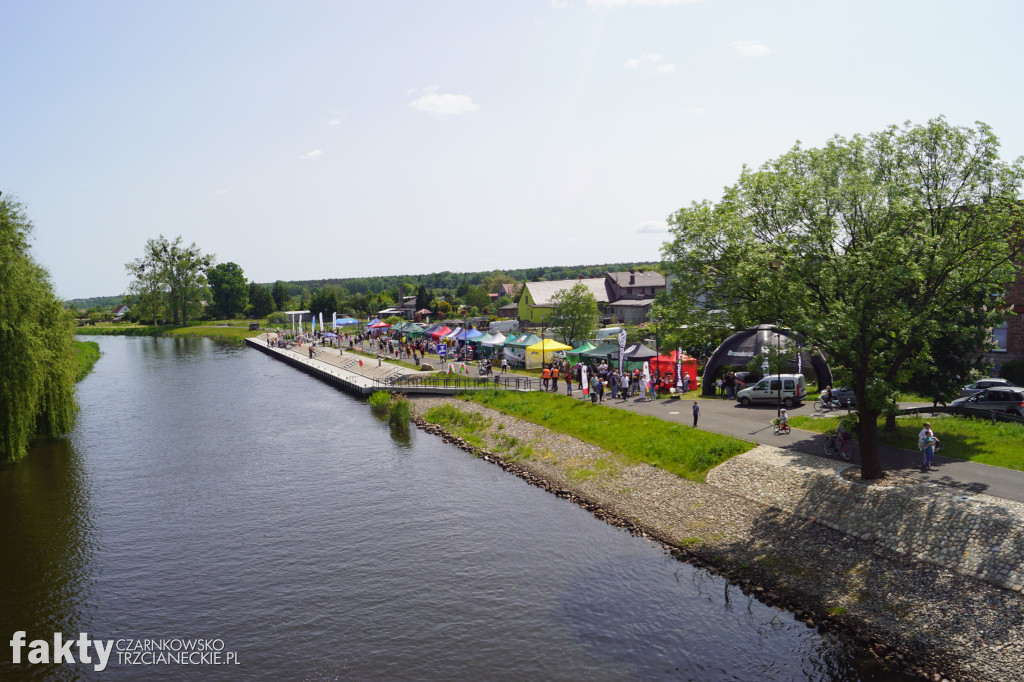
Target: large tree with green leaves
[[872, 247], [575, 313], [280, 295], [181, 270], [37, 357], [228, 288]]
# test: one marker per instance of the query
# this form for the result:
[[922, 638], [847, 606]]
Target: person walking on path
[[927, 442], [696, 413], [554, 379], [504, 365], [625, 386], [546, 376]]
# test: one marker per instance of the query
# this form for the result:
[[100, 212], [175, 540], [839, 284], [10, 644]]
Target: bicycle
[[834, 445], [780, 427], [820, 405]]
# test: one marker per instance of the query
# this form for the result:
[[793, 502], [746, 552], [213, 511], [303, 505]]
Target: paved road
[[754, 424]]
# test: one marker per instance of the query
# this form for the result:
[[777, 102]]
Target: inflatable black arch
[[741, 346]]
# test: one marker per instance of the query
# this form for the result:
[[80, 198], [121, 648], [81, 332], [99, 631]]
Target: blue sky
[[342, 139]]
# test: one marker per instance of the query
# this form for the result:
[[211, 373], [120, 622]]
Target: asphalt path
[[754, 424]]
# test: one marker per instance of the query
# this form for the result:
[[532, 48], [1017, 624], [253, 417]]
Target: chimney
[[632, 277]]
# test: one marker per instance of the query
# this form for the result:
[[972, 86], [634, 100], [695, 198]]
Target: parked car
[[1008, 399], [794, 390], [845, 397], [982, 384]]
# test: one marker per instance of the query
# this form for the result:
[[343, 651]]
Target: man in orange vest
[[546, 376], [554, 379]]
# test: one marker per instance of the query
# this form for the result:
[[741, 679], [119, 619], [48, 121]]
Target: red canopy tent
[[380, 325], [440, 332], [667, 364]]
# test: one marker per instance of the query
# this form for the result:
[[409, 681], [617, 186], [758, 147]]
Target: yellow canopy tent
[[542, 352]]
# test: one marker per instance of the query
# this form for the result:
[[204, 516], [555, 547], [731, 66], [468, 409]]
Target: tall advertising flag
[[321, 322], [584, 381], [334, 320], [679, 367], [622, 347]]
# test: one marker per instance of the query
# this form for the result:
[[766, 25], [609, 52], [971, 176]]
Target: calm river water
[[213, 493]]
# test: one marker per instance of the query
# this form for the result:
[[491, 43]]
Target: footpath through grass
[[676, 448], [971, 439], [86, 353]]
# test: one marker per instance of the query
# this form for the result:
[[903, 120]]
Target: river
[[212, 496]]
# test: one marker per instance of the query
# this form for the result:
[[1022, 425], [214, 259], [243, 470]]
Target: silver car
[[982, 384], [1008, 399]]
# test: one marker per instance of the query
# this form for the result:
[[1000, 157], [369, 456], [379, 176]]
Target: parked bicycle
[[836, 445]]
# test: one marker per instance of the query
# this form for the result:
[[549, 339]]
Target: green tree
[[476, 297], [230, 292], [37, 357], [182, 271], [871, 247], [422, 298], [324, 301], [261, 303], [147, 289], [280, 295], [575, 313]]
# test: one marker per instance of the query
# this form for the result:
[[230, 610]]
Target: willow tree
[[37, 358], [873, 248]]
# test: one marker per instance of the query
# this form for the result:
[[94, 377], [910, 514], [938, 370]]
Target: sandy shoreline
[[915, 615]]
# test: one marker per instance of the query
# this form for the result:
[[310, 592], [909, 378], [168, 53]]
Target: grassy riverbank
[[998, 444], [86, 354], [678, 449], [234, 330]]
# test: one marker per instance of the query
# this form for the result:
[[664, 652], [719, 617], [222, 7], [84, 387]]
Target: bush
[[1013, 371], [380, 399], [277, 317], [398, 414]]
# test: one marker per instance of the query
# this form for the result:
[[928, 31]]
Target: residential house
[[535, 305]]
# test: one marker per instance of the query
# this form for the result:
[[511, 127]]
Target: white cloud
[[559, 4], [750, 48], [652, 227], [315, 154], [695, 110], [444, 104], [636, 3], [221, 191], [642, 60], [649, 60]]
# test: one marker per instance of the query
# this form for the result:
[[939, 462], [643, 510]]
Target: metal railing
[[463, 382]]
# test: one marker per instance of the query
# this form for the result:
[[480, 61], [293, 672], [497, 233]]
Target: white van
[[794, 390]]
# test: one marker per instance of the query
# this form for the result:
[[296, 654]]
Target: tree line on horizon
[[218, 291]]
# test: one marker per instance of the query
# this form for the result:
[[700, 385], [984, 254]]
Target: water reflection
[[47, 543]]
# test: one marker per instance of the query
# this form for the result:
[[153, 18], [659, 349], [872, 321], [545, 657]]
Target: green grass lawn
[[999, 444], [86, 353], [676, 448]]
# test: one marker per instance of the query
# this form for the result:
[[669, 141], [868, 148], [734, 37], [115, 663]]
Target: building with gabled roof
[[535, 305]]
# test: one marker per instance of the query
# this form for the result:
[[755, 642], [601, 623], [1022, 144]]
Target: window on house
[[999, 338]]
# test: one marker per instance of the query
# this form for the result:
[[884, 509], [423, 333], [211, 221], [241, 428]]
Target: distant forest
[[437, 281]]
